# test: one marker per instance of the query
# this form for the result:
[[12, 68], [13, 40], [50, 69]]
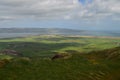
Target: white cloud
[[53, 9], [6, 18]]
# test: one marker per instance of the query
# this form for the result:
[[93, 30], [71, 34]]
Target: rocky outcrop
[[10, 52], [61, 56]]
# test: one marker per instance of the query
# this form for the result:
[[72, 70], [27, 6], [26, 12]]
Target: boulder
[[61, 56]]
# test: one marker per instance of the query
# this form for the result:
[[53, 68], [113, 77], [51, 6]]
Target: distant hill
[[19, 32], [38, 30], [22, 32]]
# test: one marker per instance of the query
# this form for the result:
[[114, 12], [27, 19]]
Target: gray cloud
[[53, 9], [36, 8]]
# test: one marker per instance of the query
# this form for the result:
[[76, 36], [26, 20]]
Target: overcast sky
[[76, 14]]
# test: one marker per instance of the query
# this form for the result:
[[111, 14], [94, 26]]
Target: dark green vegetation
[[91, 58]]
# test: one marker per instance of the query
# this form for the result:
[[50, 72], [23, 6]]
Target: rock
[[10, 52], [61, 56]]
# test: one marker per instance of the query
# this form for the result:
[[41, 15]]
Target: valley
[[48, 57]]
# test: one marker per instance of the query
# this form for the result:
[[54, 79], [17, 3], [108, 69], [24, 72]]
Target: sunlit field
[[50, 44]]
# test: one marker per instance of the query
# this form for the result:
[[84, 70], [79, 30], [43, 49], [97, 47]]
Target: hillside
[[111, 54], [53, 57], [77, 67]]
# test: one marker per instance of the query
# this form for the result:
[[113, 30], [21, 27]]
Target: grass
[[5, 57], [92, 58], [78, 67]]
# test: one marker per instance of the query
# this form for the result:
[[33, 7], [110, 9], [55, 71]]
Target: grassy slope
[[78, 67], [98, 65]]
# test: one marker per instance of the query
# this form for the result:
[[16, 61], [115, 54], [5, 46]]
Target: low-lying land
[[53, 57], [51, 44]]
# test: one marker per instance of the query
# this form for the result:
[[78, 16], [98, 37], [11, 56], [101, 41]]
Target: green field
[[48, 45], [91, 58]]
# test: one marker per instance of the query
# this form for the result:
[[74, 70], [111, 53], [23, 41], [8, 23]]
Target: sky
[[73, 14]]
